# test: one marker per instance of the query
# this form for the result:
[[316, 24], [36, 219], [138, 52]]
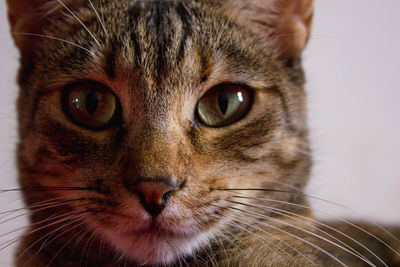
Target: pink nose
[[153, 194]]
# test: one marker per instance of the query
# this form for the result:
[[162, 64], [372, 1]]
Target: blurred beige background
[[353, 70]]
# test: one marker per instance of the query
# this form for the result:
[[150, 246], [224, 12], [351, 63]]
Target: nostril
[[153, 194]]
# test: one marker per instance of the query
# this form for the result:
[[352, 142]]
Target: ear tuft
[[287, 22]]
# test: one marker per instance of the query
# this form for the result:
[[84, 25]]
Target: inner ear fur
[[286, 22]]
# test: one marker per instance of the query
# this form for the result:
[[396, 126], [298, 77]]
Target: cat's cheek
[[46, 167]]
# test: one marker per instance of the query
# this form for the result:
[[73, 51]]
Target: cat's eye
[[91, 105], [223, 105]]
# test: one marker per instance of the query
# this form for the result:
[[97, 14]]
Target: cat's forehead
[[162, 36], [170, 44], [160, 47]]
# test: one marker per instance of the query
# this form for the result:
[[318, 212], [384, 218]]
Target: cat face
[[148, 117]]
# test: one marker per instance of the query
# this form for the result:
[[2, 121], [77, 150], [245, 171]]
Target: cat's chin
[[155, 246], [155, 241]]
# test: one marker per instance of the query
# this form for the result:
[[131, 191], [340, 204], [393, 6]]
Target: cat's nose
[[153, 194]]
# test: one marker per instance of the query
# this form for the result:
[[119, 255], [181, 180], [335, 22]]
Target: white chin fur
[[147, 248]]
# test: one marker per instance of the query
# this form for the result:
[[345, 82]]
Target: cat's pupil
[[92, 102], [223, 101]]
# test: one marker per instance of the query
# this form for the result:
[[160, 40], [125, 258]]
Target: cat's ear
[[30, 17], [287, 22]]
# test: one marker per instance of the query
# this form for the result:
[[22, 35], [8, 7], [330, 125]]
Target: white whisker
[[299, 192], [85, 247], [98, 16], [83, 25], [25, 227], [222, 246], [48, 235], [66, 243], [336, 218], [78, 240], [353, 251], [312, 220], [269, 242], [40, 208], [255, 215], [51, 37], [9, 243]]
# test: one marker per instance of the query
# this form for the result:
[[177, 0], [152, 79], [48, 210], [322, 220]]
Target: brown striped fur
[[159, 58]]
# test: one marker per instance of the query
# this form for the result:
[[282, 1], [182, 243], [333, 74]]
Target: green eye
[[223, 105], [91, 105]]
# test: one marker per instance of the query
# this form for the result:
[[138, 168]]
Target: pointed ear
[[31, 16], [287, 22]]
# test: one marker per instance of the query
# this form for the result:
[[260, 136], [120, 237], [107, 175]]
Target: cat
[[169, 133]]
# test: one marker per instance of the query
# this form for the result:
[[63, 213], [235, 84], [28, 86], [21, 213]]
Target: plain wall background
[[353, 69]]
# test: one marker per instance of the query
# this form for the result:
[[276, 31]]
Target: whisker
[[271, 235], [38, 204], [290, 234], [269, 242], [234, 225], [228, 238], [52, 38], [78, 218], [52, 217], [47, 188], [92, 236], [53, 232], [98, 16], [252, 189], [327, 226], [49, 206], [300, 191], [89, 247], [83, 25], [77, 241], [185, 262], [18, 200], [325, 201], [353, 251], [66, 244], [274, 181], [334, 217], [9, 243], [42, 205], [101, 247], [221, 244]]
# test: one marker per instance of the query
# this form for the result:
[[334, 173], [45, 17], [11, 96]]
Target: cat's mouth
[[141, 224], [176, 231], [153, 241]]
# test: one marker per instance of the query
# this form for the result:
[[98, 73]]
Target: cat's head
[[150, 117]]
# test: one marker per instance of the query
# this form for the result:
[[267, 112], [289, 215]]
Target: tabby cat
[[171, 133]]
